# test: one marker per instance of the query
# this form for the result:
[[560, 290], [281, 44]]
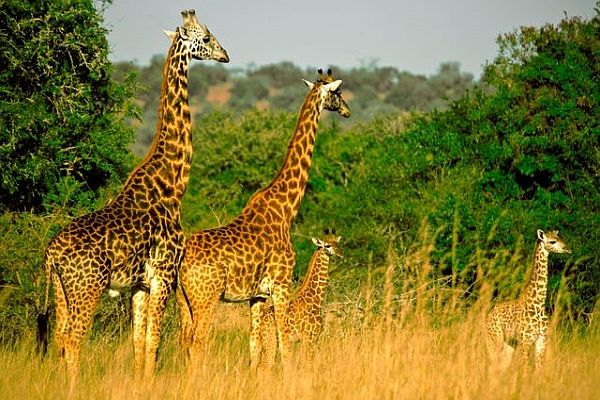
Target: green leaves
[[62, 118]]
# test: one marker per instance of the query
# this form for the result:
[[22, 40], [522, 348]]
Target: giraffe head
[[551, 242], [333, 95], [196, 39], [330, 243]]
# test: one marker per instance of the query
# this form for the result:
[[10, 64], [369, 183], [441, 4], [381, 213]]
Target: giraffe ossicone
[[135, 240]]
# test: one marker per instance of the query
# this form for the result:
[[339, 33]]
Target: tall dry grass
[[403, 334]]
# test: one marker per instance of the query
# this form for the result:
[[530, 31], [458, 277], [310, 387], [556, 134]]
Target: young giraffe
[[252, 257], [524, 321], [304, 314], [136, 240]]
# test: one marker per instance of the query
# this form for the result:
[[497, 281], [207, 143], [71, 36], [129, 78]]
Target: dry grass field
[[383, 361], [399, 333], [422, 344]]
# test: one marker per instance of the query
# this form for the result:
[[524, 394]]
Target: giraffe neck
[[164, 171], [535, 291], [315, 282], [284, 194]]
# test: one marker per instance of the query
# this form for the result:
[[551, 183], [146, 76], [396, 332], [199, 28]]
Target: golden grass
[[401, 333], [383, 358]]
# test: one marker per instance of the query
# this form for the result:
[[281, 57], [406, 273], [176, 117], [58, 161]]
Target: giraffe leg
[[202, 312], [256, 344], [280, 298], [497, 349], [81, 310], [157, 302], [268, 339], [309, 344], [62, 314], [505, 355], [139, 306], [540, 347], [185, 315]]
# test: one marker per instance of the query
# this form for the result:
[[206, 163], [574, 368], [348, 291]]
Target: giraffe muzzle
[[222, 57]]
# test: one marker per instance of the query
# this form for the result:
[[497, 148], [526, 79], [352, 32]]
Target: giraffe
[[304, 314], [252, 257], [523, 322], [136, 240]]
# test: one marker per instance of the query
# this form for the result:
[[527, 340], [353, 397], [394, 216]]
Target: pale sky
[[414, 36]]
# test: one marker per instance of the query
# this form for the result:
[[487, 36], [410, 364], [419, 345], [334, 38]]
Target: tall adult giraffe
[[522, 323], [252, 257], [136, 240]]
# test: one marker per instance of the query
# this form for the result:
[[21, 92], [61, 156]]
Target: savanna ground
[[419, 339]]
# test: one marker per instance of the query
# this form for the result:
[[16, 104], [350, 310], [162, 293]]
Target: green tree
[[62, 131], [525, 151]]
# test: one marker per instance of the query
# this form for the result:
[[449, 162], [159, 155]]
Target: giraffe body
[[136, 240], [522, 323], [304, 316], [252, 257]]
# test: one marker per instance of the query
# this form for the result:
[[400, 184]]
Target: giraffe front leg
[[256, 343], [281, 294], [540, 347], [139, 306], [157, 302]]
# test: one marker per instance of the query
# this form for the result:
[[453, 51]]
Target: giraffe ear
[[317, 242], [337, 239], [540, 234], [332, 87], [170, 34], [308, 83]]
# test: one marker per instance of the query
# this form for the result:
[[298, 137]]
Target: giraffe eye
[[553, 242], [206, 39]]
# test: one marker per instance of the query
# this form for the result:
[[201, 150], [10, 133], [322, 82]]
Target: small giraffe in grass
[[252, 258], [136, 240], [524, 321], [304, 315]]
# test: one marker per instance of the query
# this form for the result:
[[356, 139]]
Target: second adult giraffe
[[252, 257], [136, 240]]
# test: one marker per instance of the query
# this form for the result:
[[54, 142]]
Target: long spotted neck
[[163, 174], [312, 289], [537, 287], [284, 194]]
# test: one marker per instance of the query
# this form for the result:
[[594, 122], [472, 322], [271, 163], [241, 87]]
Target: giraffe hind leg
[[62, 314], [505, 356], [76, 324], [266, 348], [185, 315]]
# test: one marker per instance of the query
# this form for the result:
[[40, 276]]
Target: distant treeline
[[370, 89]]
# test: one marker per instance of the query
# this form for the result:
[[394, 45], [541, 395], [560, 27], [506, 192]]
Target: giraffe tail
[[43, 326]]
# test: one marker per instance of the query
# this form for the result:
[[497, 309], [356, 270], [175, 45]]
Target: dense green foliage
[[62, 131], [460, 190]]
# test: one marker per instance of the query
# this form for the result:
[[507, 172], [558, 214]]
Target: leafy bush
[[62, 131]]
